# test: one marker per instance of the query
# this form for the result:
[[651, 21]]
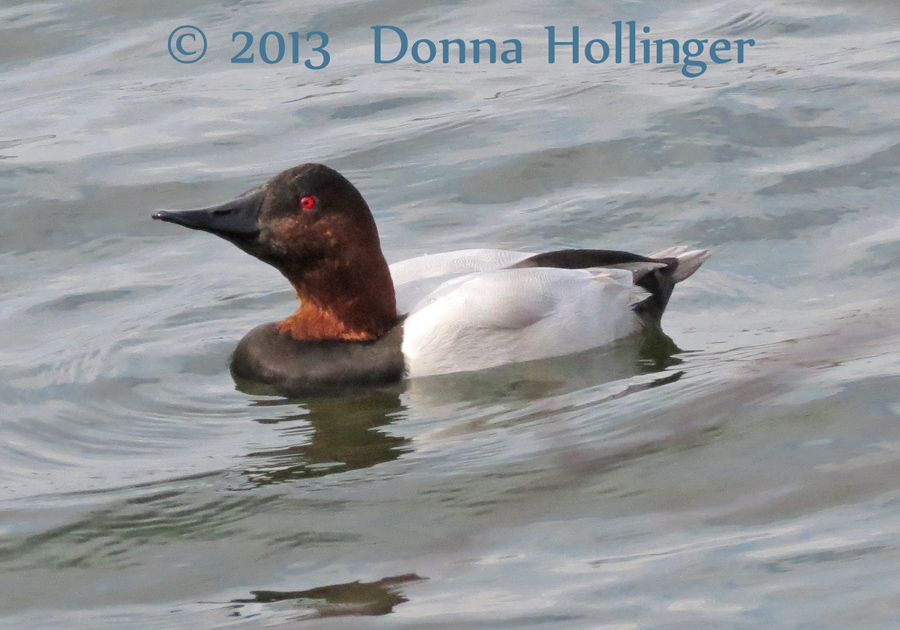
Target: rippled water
[[748, 480]]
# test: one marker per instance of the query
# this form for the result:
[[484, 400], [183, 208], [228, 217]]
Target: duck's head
[[301, 217], [314, 226]]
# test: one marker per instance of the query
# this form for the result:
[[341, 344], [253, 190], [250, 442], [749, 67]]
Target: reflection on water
[[338, 600], [657, 350], [338, 434]]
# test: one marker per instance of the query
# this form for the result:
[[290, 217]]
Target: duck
[[362, 323]]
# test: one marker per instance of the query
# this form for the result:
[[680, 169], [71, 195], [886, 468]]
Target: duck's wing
[[487, 319], [417, 277], [657, 274]]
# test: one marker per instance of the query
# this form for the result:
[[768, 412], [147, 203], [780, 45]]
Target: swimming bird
[[361, 322]]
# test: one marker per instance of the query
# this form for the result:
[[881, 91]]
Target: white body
[[466, 311]]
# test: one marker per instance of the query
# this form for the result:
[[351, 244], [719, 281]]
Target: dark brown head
[[314, 226]]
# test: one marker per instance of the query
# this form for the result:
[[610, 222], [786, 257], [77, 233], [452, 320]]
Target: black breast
[[293, 367]]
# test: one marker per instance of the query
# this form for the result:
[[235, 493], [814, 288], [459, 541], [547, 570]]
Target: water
[[748, 481]]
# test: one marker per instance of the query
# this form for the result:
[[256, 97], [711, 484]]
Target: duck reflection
[[338, 434], [656, 350], [350, 599]]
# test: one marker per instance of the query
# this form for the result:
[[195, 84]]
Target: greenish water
[[749, 480]]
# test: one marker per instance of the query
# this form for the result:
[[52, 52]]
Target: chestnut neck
[[342, 300]]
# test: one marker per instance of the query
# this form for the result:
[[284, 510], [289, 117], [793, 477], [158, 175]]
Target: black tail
[[656, 275]]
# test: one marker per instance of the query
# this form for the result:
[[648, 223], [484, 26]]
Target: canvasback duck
[[361, 322]]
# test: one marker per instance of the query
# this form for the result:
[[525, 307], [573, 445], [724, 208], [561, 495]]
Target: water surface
[[747, 480]]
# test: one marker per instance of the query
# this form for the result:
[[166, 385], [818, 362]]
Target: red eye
[[307, 203]]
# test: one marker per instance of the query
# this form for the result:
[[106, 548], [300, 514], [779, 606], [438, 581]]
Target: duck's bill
[[233, 220]]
